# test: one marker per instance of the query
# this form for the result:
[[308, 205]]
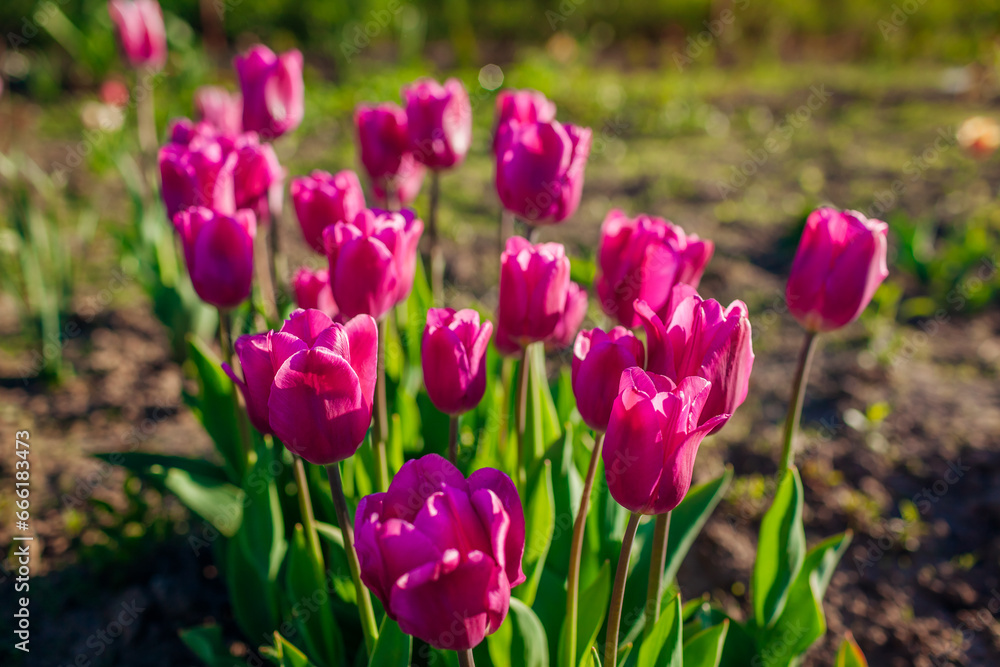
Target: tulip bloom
[[439, 122], [653, 438], [218, 251], [322, 199], [141, 34], [197, 168], [441, 552], [258, 179], [273, 92], [453, 356], [372, 260], [311, 383], [599, 359], [312, 290], [572, 317], [540, 169], [220, 109], [643, 258], [384, 147], [534, 284], [521, 106], [840, 263]]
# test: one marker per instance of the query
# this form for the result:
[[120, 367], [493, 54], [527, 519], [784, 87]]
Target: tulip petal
[[307, 324], [416, 481], [362, 335], [633, 449], [501, 485], [450, 521]]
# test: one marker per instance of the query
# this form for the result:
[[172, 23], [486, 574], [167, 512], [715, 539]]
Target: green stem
[[654, 592], [465, 658], [521, 414], [365, 610], [575, 554], [306, 508], [453, 440], [506, 227], [618, 592], [381, 416], [795, 404]]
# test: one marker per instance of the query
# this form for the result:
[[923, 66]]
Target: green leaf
[[206, 642], [593, 607], [304, 577], [254, 600], [704, 649], [542, 427], [663, 647], [781, 550], [849, 654], [263, 529], [216, 407], [595, 658], [338, 568], [393, 647], [520, 641], [539, 521], [143, 462], [286, 654]]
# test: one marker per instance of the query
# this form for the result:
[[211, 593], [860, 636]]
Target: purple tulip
[[273, 92], [258, 178], [652, 440], [312, 290], [439, 122], [574, 312], [643, 258], [322, 199], [441, 552], [453, 356], [220, 109], [540, 169], [598, 362], [372, 260], [197, 168], [840, 263], [384, 148], [141, 34], [521, 106], [218, 251]]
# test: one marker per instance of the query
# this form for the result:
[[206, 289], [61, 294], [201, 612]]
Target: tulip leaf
[[393, 647], [254, 600], [304, 579], [338, 568], [539, 520], [216, 406], [595, 658], [593, 605], [781, 549], [542, 426], [263, 529], [520, 641], [849, 654], [206, 642], [704, 649], [286, 654], [664, 645]]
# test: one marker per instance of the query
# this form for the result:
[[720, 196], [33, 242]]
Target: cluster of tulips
[[439, 550]]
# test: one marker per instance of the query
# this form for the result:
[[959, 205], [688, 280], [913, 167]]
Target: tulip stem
[[225, 338], [465, 658], [274, 260], [521, 416], [618, 592], [506, 227], [453, 440], [654, 592], [365, 610], [795, 402], [306, 509], [436, 256], [145, 112], [575, 553], [381, 416], [226, 343]]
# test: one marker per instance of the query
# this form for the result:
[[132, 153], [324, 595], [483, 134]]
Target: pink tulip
[[372, 260], [141, 34], [312, 290], [540, 169], [571, 318], [840, 263], [598, 362], [534, 284], [322, 199], [384, 148], [197, 168], [441, 552], [643, 258], [453, 356], [258, 178], [218, 251], [311, 383], [521, 106], [220, 109], [439, 121], [702, 339], [273, 92], [653, 438]]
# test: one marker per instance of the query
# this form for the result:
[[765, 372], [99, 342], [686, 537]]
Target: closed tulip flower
[[273, 92], [643, 258], [534, 284], [453, 356], [652, 440], [219, 108], [321, 199], [372, 260], [258, 178], [439, 122], [197, 168], [572, 317], [599, 359], [218, 251], [441, 552], [840, 263], [384, 148], [540, 169], [312, 290], [521, 106], [141, 34]]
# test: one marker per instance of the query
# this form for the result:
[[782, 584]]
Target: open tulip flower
[[321, 199], [141, 33], [643, 258], [218, 251], [372, 260], [439, 122], [534, 285], [384, 147], [599, 359], [273, 92], [442, 552], [312, 290], [219, 108], [521, 106], [453, 356], [840, 262]]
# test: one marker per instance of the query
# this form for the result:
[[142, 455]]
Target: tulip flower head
[[534, 286], [384, 147], [321, 199], [197, 168], [439, 122], [599, 359], [141, 33], [574, 312], [273, 92], [521, 106], [220, 109], [258, 179], [312, 290], [218, 251], [840, 262], [453, 356], [441, 552]]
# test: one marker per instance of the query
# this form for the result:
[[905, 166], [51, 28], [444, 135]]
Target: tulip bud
[[141, 34], [372, 260], [384, 147], [220, 109], [441, 552], [197, 168], [540, 169], [258, 179], [653, 438], [643, 258], [439, 122], [534, 283], [453, 356], [840, 262], [322, 199], [571, 318], [521, 106], [598, 362], [218, 251], [312, 290], [273, 92]]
